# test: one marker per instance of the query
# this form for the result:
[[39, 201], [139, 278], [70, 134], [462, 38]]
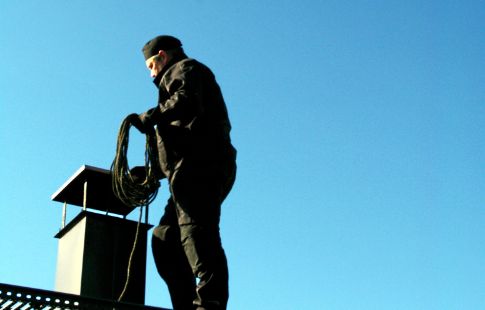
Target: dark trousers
[[186, 244]]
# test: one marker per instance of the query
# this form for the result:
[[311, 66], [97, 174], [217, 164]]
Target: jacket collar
[[158, 79]]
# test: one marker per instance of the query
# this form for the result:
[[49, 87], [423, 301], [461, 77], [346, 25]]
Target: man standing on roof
[[199, 162]]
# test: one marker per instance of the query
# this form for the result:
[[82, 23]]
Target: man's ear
[[162, 55]]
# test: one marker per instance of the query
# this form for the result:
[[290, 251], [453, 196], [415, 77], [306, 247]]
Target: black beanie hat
[[164, 42]]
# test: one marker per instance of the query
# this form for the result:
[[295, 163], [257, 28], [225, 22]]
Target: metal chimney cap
[[99, 193]]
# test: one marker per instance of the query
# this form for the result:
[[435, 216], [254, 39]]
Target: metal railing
[[14, 297]]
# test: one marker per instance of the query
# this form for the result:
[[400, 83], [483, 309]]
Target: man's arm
[[183, 86]]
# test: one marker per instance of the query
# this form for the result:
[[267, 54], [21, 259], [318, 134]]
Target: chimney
[[95, 246]]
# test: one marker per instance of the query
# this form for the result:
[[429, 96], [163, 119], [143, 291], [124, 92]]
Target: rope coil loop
[[132, 191]]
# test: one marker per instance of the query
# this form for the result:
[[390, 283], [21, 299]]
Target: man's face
[[155, 65]]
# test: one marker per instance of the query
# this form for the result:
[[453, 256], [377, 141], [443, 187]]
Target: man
[[199, 162]]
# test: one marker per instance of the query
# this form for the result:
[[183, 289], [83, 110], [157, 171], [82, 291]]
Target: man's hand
[[138, 174], [143, 122], [136, 121], [145, 117]]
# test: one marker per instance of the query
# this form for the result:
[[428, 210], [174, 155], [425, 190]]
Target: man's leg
[[198, 194], [171, 261], [203, 248]]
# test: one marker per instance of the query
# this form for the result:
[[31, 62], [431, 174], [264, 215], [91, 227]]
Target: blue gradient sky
[[359, 126]]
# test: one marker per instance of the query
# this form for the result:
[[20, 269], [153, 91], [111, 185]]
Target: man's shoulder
[[191, 62], [190, 65]]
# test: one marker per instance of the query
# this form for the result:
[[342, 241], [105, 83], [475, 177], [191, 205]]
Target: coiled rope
[[132, 191], [126, 187]]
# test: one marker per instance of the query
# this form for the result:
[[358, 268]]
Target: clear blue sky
[[359, 126]]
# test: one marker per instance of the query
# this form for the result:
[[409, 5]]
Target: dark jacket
[[191, 116]]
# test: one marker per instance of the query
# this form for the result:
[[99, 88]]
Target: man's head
[[158, 52]]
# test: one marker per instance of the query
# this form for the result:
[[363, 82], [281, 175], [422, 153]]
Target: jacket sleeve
[[180, 99]]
